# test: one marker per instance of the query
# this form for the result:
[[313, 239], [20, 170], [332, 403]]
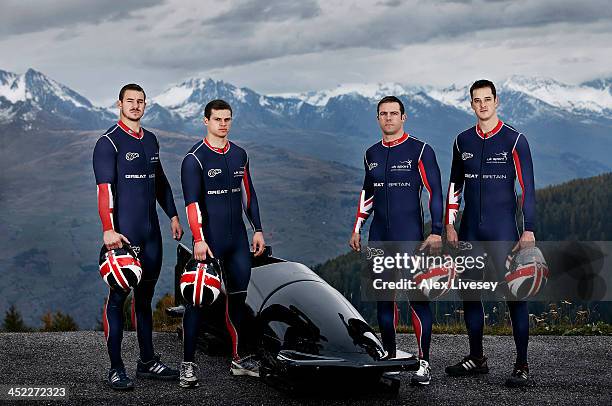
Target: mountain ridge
[[184, 100]]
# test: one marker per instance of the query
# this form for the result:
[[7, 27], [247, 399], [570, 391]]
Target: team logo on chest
[[498, 158], [130, 156], [402, 166], [240, 172], [467, 155], [213, 172], [372, 165]]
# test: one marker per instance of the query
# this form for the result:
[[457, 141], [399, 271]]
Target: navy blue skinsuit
[[485, 168], [130, 181], [395, 174], [217, 187]]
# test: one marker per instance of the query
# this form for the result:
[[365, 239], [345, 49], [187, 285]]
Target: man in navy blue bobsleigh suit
[[397, 168], [488, 159], [130, 181], [217, 187]]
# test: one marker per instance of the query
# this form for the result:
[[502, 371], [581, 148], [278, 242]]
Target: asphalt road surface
[[565, 370]]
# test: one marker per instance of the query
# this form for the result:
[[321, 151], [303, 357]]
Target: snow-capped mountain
[[454, 95], [578, 99], [367, 90], [594, 97], [34, 99], [186, 102]]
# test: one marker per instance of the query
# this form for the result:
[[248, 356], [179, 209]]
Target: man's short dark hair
[[131, 86], [390, 99], [482, 83], [217, 104]]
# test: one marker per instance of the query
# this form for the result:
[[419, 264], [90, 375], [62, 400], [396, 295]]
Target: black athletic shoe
[[118, 379], [155, 369], [519, 377], [469, 366]]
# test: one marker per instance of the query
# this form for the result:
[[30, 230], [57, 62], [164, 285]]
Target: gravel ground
[[565, 370]]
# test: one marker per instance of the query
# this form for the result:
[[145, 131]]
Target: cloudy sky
[[277, 46]]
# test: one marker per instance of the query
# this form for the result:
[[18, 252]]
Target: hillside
[[576, 210]]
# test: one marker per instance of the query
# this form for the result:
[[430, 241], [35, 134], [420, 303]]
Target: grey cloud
[[389, 3], [21, 17], [257, 11], [275, 33], [250, 38], [245, 18]]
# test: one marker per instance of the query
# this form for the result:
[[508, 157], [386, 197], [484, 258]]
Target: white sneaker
[[188, 375], [245, 366], [423, 375]]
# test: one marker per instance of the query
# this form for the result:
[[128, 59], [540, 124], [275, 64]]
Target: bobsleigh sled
[[302, 329]]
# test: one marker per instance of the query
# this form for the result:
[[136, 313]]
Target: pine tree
[[13, 321], [58, 322]]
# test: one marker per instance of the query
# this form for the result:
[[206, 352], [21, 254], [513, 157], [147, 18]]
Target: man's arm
[[364, 209], [430, 177], [191, 181], [524, 173], [249, 199], [105, 172], [251, 208], [165, 198], [523, 166], [163, 191], [455, 189]]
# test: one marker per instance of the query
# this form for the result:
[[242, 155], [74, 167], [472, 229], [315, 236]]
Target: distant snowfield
[[174, 96], [13, 87], [566, 97]]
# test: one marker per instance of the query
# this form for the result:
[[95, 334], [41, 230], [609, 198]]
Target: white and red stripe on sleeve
[[363, 211], [194, 218], [519, 175], [453, 200], [105, 206]]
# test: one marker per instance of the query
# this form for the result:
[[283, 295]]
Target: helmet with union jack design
[[200, 282], [527, 273], [120, 268], [435, 276]]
